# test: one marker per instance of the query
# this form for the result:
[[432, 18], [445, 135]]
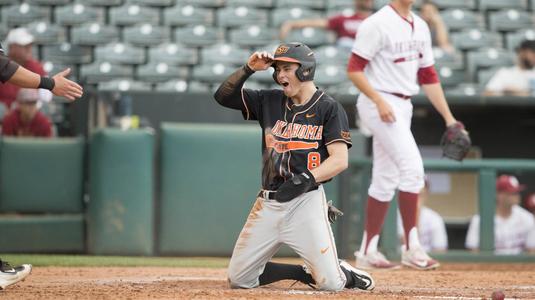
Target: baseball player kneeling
[[305, 143]]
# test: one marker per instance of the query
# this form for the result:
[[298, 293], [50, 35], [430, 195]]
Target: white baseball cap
[[19, 36]]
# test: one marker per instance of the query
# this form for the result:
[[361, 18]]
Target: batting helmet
[[297, 53]]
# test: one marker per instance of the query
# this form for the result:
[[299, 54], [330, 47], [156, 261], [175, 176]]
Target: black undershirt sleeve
[[229, 92]]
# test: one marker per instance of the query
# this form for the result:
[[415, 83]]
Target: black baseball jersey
[[294, 137]]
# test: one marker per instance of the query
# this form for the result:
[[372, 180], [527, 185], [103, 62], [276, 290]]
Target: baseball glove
[[455, 142], [332, 212], [295, 186]]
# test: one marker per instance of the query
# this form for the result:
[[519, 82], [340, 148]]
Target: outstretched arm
[[296, 24]]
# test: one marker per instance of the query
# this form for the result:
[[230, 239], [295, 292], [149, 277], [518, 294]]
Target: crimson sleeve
[[428, 75], [356, 63]]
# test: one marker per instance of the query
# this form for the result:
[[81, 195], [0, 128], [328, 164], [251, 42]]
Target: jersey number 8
[[313, 160]]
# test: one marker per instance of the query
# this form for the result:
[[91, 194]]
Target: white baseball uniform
[[431, 230], [396, 49], [510, 235]]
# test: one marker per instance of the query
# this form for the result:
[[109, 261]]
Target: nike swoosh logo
[[324, 250], [421, 263], [310, 115]]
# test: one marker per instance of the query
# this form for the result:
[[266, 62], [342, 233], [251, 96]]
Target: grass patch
[[46, 260]]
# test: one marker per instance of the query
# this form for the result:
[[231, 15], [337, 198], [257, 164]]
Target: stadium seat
[[254, 85], [68, 53], [103, 2], [280, 15], [77, 14], [199, 35], [212, 73], [251, 3], [312, 4], [460, 19], [158, 72], [348, 11], [465, 89], [93, 34], [181, 15], [120, 53], [47, 2], [345, 88], [446, 4], [180, 85], [3, 32], [450, 77], [253, 36], [378, 4], [500, 4], [312, 37], [484, 76], [330, 74], [241, 16], [226, 54], [123, 85], [488, 58], [152, 2], [101, 71], [443, 59], [146, 35], [203, 3], [475, 38], [339, 4], [130, 14], [331, 55], [265, 77], [53, 68], [24, 13], [515, 38], [173, 54], [510, 20], [47, 34]]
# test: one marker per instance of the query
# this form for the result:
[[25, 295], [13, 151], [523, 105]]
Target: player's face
[[287, 78]]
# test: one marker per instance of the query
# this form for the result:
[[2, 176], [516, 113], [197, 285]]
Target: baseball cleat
[[417, 259], [363, 280], [10, 275], [374, 261]]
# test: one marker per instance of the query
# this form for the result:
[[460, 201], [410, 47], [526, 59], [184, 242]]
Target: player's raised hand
[[260, 61], [385, 112], [64, 87]]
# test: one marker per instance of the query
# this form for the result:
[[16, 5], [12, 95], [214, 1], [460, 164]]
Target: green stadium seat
[[339, 4], [345, 88], [120, 53], [53, 68], [510, 20], [47, 34], [199, 35], [253, 36], [313, 37], [3, 33], [484, 76], [378, 4], [181, 15], [254, 85], [104, 2], [47, 2], [329, 74], [92, 34], [77, 14], [158, 72], [181, 85], [212, 73], [488, 58], [500, 4], [130, 14], [312, 4], [450, 77], [241, 16], [226, 54], [331, 55], [203, 3], [152, 2], [446, 4], [465, 89], [461, 19], [173, 54], [146, 35], [474, 39], [265, 77], [24, 13], [124, 85], [347, 11], [443, 59], [68, 53], [515, 38], [251, 3], [101, 71], [281, 15]]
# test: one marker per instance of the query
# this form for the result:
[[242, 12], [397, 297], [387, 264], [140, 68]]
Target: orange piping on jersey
[[339, 140]]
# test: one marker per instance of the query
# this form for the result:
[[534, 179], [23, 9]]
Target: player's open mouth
[[285, 84]]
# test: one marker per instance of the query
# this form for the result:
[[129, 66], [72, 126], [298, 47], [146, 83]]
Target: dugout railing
[[353, 187]]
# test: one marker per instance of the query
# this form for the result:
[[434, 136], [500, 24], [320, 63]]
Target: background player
[[11, 72], [391, 55], [305, 143]]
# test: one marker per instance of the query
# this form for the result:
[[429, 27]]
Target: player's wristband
[[47, 83], [248, 69]]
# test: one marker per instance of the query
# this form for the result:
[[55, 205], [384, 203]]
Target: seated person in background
[[431, 227], [19, 45], [345, 27], [439, 31], [529, 203], [26, 120], [515, 80], [512, 224]]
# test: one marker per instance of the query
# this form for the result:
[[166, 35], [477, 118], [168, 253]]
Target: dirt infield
[[452, 281]]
